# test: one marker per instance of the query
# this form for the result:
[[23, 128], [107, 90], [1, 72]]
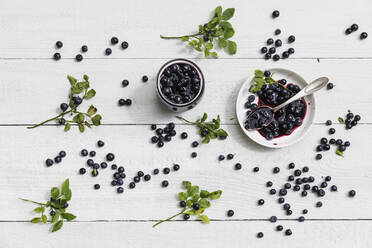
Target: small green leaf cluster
[[341, 120], [208, 130], [260, 80], [192, 196], [217, 31], [79, 91], [57, 205]]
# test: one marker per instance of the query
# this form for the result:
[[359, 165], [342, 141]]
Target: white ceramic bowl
[[282, 141]]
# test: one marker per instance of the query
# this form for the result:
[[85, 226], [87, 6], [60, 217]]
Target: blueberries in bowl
[[180, 84]]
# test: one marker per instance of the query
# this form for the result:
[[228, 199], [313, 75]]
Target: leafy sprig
[[79, 92], [193, 197], [260, 80], [208, 130], [217, 31], [57, 206]]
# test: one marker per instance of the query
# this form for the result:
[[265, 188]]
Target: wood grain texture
[[25, 153], [319, 26], [219, 234], [35, 94]]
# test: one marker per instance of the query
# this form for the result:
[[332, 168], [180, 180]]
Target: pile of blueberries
[[325, 144], [354, 27], [271, 52], [49, 162], [298, 181], [180, 83], [163, 134], [84, 49], [287, 118]]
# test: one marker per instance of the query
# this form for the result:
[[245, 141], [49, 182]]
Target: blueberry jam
[[259, 118], [286, 119], [180, 84]]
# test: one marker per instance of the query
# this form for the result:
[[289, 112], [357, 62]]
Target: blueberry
[[281, 200], [267, 73], [291, 50], [52, 213], [290, 178], [176, 167], [57, 56], [321, 192], [272, 50], [147, 177], [332, 141], [328, 122], [315, 188], [166, 170], [256, 169], [264, 50], [324, 141], [283, 192], [136, 179], [289, 212], [155, 171], [279, 228], [311, 179], [319, 204], [110, 157], [323, 185], [273, 219], [318, 156], [84, 48], [260, 235], [65, 205], [354, 27], [90, 162], [167, 138], [114, 40], [285, 55], [339, 142], [57, 159], [79, 57], [278, 43], [121, 102], [186, 216], [184, 135], [272, 191], [49, 162], [221, 157], [357, 118], [82, 171], [352, 193], [277, 31], [108, 51], [330, 86], [276, 170], [347, 143], [287, 185], [304, 193], [145, 78], [268, 56], [286, 206], [97, 186], [348, 31], [276, 57], [288, 232], [261, 202], [334, 188], [270, 41], [194, 154], [291, 166], [59, 44], [120, 190], [275, 13], [95, 173], [269, 184], [63, 106], [305, 169], [121, 169], [125, 83], [238, 166], [62, 121], [124, 45], [194, 144], [291, 39], [297, 173], [132, 185], [298, 181], [160, 143], [230, 213], [77, 100], [92, 153], [332, 131], [100, 143]]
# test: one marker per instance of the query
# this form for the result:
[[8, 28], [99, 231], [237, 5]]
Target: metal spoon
[[268, 112]]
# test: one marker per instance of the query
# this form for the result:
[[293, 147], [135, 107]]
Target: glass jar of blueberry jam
[[180, 85]]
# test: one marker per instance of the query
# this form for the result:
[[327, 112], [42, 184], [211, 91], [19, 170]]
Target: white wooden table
[[32, 86]]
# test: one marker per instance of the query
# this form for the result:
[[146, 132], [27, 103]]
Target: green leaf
[[218, 11], [82, 85], [193, 190], [215, 195], [87, 124], [80, 117], [206, 140], [214, 54], [338, 152], [229, 33], [204, 193], [54, 192], [68, 216], [222, 132], [65, 187], [188, 203], [55, 217], [72, 80], [209, 45], [341, 120], [195, 198], [185, 38], [231, 47], [222, 43], [228, 13], [204, 218], [36, 220], [86, 78], [259, 73], [186, 184], [90, 94], [57, 226], [39, 209], [204, 203], [225, 25], [44, 218], [96, 120], [67, 127], [68, 195], [182, 196], [205, 116]]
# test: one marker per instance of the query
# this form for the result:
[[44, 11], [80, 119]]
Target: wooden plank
[[23, 173], [140, 22], [191, 234], [31, 91]]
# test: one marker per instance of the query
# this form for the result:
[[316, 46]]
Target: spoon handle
[[312, 87]]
